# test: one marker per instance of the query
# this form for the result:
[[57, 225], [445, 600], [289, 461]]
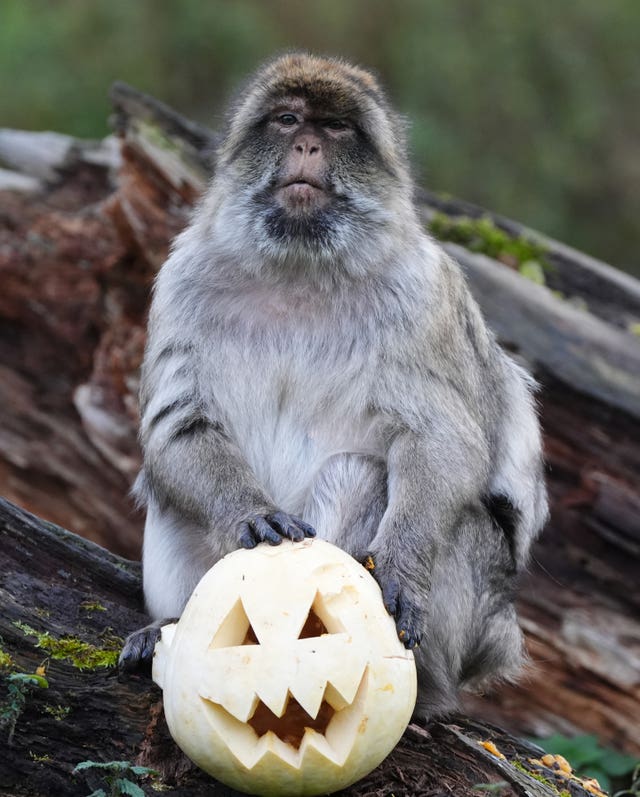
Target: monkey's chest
[[289, 417]]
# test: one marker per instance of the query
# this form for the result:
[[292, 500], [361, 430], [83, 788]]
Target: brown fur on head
[[313, 165], [329, 84]]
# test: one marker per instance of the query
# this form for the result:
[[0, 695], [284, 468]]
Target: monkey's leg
[[176, 555], [347, 504], [347, 500], [470, 633], [469, 629]]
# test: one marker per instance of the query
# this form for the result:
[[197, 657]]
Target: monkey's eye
[[336, 124], [287, 119]]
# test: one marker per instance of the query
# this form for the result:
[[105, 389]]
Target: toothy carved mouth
[[331, 734], [291, 726]]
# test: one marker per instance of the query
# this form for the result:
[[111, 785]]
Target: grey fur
[[353, 384]]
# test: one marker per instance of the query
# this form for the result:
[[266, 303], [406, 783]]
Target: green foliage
[[634, 789], [531, 113], [118, 777], [482, 235], [588, 759], [82, 655], [19, 685]]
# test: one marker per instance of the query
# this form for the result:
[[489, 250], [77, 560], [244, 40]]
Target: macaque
[[316, 365]]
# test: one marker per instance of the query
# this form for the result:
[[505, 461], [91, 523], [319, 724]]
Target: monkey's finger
[[247, 538], [137, 652], [149, 646], [390, 595], [284, 523], [263, 531], [308, 530], [409, 637], [408, 623]]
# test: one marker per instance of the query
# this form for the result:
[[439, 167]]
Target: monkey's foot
[[401, 607], [273, 528], [137, 651]]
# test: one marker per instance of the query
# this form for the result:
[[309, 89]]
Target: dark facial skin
[[316, 160], [309, 140]]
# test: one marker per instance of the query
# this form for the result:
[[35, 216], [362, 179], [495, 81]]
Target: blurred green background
[[529, 108]]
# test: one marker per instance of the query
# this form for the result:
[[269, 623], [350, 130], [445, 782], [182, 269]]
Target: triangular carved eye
[[313, 626], [234, 630], [250, 637]]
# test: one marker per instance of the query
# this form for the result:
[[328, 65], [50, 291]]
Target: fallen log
[[66, 603]]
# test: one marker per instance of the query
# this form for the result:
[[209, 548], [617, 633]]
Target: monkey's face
[[302, 182], [319, 169], [317, 158]]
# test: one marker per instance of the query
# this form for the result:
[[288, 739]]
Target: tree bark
[[79, 248]]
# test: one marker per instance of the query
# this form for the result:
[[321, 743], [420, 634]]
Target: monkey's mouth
[[303, 181], [301, 194]]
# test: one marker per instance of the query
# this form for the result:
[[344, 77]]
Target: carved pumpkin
[[285, 675]]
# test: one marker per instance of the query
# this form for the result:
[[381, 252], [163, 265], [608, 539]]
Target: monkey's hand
[[398, 600], [272, 528], [137, 651]]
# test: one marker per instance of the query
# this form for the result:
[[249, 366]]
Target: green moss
[[481, 235], [535, 775], [6, 662], [492, 788], [634, 328], [82, 655], [532, 270], [92, 606], [40, 759], [156, 136], [57, 712]]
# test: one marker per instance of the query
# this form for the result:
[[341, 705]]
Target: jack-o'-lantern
[[285, 675]]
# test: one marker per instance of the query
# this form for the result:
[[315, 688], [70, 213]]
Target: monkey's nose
[[307, 145]]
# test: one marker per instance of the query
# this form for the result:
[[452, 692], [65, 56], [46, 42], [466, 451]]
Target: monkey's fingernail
[[402, 634], [369, 564]]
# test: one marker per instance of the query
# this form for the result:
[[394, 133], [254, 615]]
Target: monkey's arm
[[192, 463], [446, 466], [433, 473]]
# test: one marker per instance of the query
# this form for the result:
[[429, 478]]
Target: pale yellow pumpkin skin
[[214, 671]]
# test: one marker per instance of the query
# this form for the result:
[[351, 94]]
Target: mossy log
[[79, 249]]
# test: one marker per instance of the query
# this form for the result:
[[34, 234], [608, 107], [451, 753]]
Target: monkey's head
[[313, 164]]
